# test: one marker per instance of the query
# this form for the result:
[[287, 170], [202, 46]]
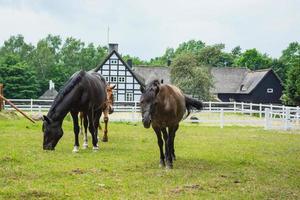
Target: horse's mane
[[155, 82], [68, 86]]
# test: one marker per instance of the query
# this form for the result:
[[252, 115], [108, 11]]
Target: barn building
[[244, 85], [230, 84], [116, 71]]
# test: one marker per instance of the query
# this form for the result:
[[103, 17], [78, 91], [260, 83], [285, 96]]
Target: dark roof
[[50, 94], [139, 79], [237, 80], [149, 73], [226, 79]]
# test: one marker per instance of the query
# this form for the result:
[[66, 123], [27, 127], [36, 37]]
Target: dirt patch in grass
[[8, 115], [78, 171], [8, 159], [186, 188], [36, 194]]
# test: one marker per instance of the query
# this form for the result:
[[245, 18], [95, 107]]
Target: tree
[[18, 78], [292, 90], [291, 64], [71, 55], [17, 46], [214, 56], [192, 78], [135, 60], [253, 60], [192, 46]]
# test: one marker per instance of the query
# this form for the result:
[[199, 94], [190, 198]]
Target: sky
[[146, 28]]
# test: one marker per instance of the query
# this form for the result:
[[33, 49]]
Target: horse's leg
[[105, 138], [160, 145], [76, 130], [172, 142], [85, 137], [97, 117], [167, 149], [92, 130]]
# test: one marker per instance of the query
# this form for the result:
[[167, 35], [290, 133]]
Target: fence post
[[260, 110], [251, 109], [234, 106], [40, 110], [209, 105], [135, 114], [267, 119], [271, 108], [243, 107], [132, 114], [31, 104], [287, 120], [222, 118], [297, 115]]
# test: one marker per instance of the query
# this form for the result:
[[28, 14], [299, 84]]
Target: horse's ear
[[113, 86], [162, 81], [142, 89], [46, 119]]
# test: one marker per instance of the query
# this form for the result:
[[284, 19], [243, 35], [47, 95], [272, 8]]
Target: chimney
[[51, 85], [129, 62], [112, 46]]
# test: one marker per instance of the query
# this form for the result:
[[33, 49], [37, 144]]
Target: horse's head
[[110, 98], [148, 102], [52, 133]]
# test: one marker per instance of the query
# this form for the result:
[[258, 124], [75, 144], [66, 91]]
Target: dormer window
[[243, 88], [270, 90]]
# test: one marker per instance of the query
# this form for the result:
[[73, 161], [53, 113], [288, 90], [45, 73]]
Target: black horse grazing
[[164, 106], [84, 92]]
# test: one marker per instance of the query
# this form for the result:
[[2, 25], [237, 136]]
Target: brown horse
[[108, 109], [164, 106]]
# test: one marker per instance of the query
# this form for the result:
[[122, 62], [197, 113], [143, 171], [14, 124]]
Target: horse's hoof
[[162, 165], [76, 149], [96, 148], [85, 146], [104, 140], [169, 166], [174, 157]]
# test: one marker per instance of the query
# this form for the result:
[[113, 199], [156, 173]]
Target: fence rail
[[267, 115]]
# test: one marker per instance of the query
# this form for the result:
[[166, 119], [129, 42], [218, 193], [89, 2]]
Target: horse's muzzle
[[48, 147], [147, 123]]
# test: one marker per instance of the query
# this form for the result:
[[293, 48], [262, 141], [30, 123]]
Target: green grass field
[[212, 163]]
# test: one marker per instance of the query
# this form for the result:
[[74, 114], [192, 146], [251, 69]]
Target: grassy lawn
[[212, 163]]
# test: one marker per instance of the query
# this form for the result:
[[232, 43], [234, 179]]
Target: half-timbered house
[[116, 71]]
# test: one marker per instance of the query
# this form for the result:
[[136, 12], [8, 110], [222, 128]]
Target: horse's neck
[[61, 110]]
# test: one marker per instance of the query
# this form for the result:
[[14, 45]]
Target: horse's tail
[[192, 103]]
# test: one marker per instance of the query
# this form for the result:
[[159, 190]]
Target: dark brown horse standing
[[84, 92], [164, 106], [108, 109]]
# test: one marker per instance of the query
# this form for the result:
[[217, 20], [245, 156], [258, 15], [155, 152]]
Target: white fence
[[266, 115]]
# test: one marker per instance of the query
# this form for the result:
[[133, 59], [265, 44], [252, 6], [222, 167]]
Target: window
[[129, 97], [113, 79], [270, 90], [121, 79], [114, 62], [106, 78], [115, 94]]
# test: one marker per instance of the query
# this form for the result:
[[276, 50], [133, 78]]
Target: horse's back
[[94, 89], [171, 104]]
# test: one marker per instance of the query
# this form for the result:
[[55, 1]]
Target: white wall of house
[[115, 72]]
